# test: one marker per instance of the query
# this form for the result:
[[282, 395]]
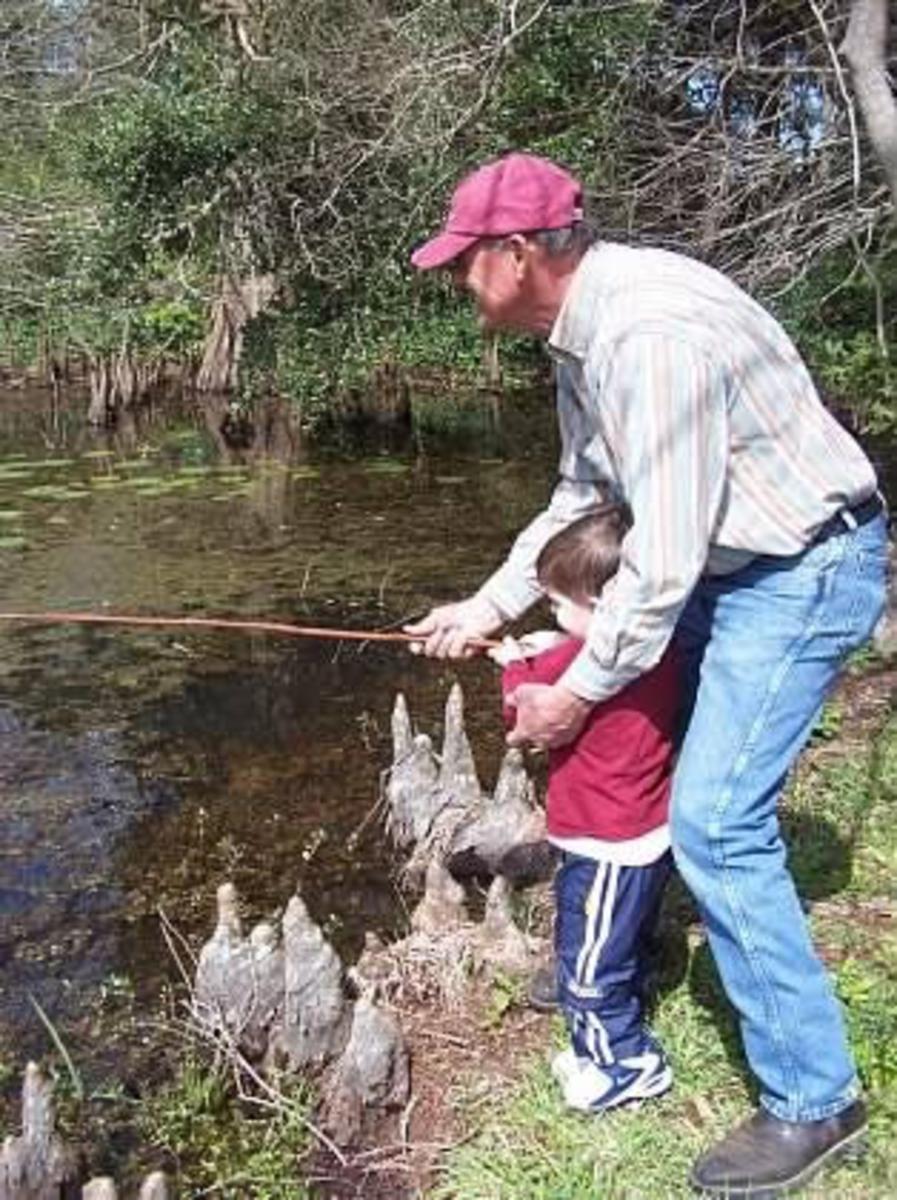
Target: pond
[[140, 769]]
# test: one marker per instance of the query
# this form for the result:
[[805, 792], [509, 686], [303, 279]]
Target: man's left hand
[[547, 715]]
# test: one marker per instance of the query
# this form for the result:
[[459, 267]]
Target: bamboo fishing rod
[[275, 627]]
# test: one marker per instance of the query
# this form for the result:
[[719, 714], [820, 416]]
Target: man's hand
[[547, 715], [446, 631]]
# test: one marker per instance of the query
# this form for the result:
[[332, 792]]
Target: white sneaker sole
[[565, 1066], [639, 1090]]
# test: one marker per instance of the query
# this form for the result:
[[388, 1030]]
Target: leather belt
[[847, 519]]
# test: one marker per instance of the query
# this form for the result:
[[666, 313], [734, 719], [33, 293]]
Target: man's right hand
[[446, 631]]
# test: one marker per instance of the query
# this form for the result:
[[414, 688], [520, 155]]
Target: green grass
[[843, 835], [218, 1146]]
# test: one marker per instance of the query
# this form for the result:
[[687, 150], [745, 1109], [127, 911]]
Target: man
[[758, 538]]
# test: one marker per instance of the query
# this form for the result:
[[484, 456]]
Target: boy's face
[[573, 616]]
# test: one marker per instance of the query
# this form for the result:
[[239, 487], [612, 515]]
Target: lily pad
[[12, 542], [149, 490], [386, 467], [52, 491], [305, 473], [186, 481], [11, 514]]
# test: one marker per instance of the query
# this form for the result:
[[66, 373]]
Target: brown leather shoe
[[764, 1157]]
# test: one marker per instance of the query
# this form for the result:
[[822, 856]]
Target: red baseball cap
[[518, 193]]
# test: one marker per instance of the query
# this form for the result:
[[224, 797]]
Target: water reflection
[[67, 801], [138, 770]]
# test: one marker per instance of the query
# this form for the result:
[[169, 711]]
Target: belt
[[847, 519]]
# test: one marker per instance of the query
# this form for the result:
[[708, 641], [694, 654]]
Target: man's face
[[490, 273]]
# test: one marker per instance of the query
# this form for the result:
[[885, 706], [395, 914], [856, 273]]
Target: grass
[[217, 1146], [519, 1142], [843, 837]]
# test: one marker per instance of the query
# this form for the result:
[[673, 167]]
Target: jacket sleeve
[[512, 676], [546, 667]]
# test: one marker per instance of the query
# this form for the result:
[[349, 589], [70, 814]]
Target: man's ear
[[521, 250]]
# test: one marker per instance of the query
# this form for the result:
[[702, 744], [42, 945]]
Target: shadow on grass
[[707, 991], [820, 860], [668, 949], [820, 857]]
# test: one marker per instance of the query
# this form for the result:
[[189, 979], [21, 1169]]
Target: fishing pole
[[276, 627]]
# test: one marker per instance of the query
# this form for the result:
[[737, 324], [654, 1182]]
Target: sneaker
[[566, 1064], [595, 1089]]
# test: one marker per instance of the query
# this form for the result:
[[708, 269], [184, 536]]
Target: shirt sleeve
[[664, 405], [583, 482]]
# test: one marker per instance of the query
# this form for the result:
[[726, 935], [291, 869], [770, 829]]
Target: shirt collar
[[574, 326]]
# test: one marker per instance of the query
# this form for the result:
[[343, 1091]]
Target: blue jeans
[[762, 648]]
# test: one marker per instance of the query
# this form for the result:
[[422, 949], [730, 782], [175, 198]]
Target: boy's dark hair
[[577, 562]]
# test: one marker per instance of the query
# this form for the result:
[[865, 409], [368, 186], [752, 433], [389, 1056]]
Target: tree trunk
[[100, 408], [237, 303], [125, 387], [491, 361], [865, 47]]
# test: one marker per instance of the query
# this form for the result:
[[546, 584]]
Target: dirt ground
[[455, 1053], [463, 1052]]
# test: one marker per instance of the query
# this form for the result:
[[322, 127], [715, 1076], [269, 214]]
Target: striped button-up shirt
[[682, 395]]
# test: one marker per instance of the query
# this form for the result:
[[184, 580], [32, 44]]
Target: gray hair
[[572, 239]]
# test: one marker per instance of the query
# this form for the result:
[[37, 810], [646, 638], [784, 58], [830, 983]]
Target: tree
[[865, 47], [224, 149]]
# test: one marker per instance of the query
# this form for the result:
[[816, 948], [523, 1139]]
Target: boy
[[607, 806]]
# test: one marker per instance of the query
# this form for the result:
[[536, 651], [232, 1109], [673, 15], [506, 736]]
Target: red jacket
[[613, 781]]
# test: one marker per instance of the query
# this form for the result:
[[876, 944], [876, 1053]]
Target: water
[[139, 770]]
